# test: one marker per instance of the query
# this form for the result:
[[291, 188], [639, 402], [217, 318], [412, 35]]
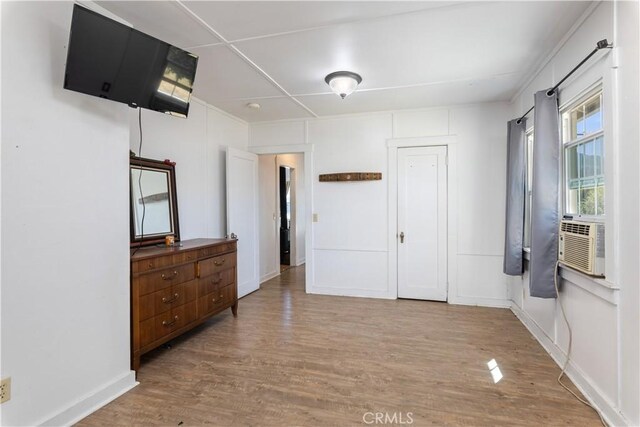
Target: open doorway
[[282, 213], [285, 204]]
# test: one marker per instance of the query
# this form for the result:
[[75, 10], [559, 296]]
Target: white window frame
[[581, 98]]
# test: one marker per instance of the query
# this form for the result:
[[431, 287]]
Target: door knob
[[234, 236], [402, 237]]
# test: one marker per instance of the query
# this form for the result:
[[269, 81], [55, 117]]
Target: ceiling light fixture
[[253, 106], [343, 83]]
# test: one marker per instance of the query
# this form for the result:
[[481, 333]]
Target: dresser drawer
[[165, 261], [211, 283], [158, 302], [210, 266], [164, 278], [214, 301], [159, 326], [152, 264], [215, 250]]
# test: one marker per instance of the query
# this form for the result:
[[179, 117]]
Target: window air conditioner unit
[[581, 246]]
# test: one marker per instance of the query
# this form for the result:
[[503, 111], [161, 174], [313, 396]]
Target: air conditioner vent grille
[[575, 228], [577, 251]]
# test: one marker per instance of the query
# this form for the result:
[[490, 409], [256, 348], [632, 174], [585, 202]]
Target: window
[[583, 141], [529, 185]]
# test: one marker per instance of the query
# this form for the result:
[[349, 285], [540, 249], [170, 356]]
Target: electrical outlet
[[315, 217], [5, 390]]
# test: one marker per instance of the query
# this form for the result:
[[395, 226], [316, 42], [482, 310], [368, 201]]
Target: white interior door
[[422, 223], [242, 216]]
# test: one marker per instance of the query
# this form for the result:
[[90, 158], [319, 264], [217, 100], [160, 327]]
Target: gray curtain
[[544, 205], [514, 215]]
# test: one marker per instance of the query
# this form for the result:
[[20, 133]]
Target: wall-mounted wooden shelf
[[351, 176]]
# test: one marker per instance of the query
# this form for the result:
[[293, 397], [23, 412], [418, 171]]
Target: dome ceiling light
[[343, 83]]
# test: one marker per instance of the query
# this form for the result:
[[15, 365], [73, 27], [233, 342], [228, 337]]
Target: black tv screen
[[113, 61]]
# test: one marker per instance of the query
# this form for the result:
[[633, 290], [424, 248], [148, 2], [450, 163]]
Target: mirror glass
[[153, 205]]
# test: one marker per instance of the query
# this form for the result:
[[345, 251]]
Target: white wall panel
[[481, 277], [197, 144], [354, 273], [352, 215], [278, 133], [182, 141], [407, 124], [65, 228], [481, 133], [597, 325]]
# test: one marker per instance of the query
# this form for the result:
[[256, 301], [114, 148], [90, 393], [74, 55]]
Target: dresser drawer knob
[[150, 265], [165, 323], [169, 301], [213, 299], [220, 295], [219, 263], [165, 277]]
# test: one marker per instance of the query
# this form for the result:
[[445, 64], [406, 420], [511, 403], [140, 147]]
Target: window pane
[[589, 159], [587, 201], [577, 120], [600, 196], [572, 201], [592, 115], [166, 87], [599, 154], [571, 155], [580, 149]]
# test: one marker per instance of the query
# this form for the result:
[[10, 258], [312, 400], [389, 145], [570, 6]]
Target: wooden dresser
[[174, 289]]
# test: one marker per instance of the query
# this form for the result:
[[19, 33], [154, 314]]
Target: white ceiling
[[410, 54]]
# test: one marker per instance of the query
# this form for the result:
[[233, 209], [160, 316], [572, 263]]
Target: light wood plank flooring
[[310, 360]]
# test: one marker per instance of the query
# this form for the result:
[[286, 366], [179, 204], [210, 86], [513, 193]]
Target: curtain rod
[[602, 44]]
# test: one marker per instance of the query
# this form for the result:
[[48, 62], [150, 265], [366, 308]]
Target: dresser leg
[[234, 309]]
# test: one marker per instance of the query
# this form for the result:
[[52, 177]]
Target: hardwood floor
[[311, 360]]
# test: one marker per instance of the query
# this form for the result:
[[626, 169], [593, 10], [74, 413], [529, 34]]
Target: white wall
[[604, 320], [268, 170], [198, 146], [65, 228], [350, 243]]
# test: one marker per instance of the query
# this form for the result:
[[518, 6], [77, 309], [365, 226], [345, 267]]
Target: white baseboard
[[350, 292], [93, 401], [611, 415], [480, 302], [269, 276], [300, 262]]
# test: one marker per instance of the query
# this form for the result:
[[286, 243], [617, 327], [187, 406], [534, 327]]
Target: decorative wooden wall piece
[[351, 176]]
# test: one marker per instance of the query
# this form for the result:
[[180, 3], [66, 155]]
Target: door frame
[[450, 142], [307, 151]]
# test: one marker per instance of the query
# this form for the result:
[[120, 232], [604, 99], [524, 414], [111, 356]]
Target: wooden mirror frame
[[173, 201]]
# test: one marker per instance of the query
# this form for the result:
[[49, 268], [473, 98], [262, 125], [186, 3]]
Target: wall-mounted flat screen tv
[[113, 61]]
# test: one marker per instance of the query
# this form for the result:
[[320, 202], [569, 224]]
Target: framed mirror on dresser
[[154, 204]]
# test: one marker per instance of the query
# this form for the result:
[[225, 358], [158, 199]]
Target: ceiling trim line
[[354, 21], [243, 56], [375, 89]]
